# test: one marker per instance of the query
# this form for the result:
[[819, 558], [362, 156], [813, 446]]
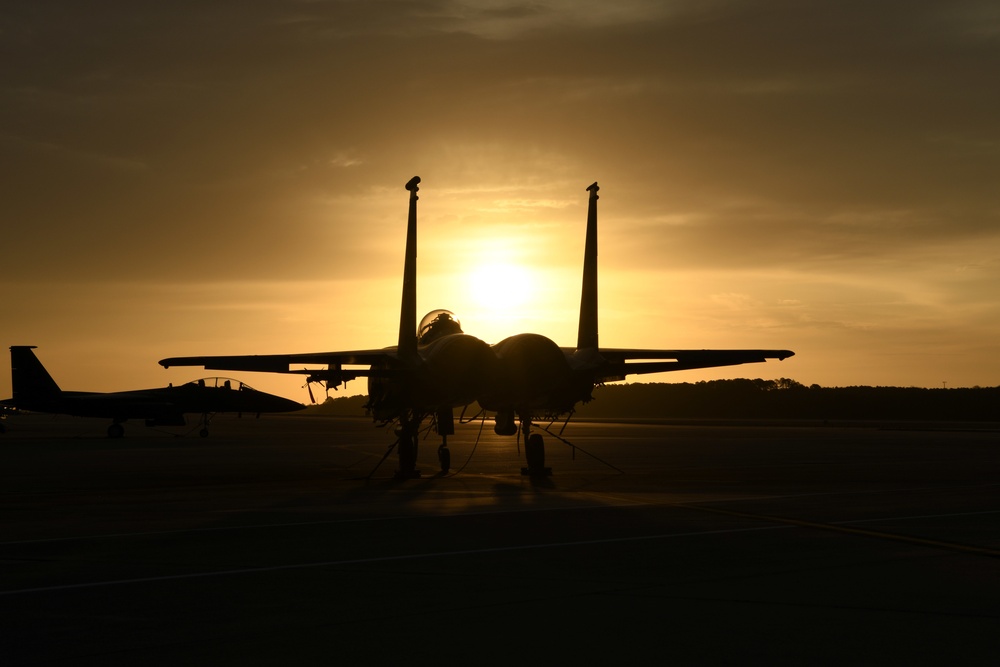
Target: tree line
[[764, 399], [788, 399]]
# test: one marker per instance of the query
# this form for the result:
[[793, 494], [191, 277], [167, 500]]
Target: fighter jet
[[435, 367], [36, 391]]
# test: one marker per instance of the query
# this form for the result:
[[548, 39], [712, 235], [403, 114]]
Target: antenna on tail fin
[[587, 334], [407, 345]]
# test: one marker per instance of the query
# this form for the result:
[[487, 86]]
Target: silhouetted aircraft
[[435, 367], [35, 390]]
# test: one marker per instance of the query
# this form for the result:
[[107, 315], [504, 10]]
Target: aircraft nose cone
[[259, 401], [285, 405]]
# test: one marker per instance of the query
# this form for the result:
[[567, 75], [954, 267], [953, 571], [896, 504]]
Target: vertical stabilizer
[[587, 335], [28, 377], [407, 345]]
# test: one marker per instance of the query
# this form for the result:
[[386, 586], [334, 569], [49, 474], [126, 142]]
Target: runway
[[280, 541]]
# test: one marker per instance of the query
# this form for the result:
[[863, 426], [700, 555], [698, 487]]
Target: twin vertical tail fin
[[407, 345], [587, 334], [29, 379]]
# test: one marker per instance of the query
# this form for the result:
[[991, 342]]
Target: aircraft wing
[[616, 363], [282, 363]]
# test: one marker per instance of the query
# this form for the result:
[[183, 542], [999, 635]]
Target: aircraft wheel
[[534, 453], [444, 456], [203, 432], [116, 431], [407, 448]]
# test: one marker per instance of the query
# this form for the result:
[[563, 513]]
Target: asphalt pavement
[[286, 540]]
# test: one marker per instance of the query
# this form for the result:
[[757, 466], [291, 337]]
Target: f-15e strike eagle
[[435, 367], [36, 391]]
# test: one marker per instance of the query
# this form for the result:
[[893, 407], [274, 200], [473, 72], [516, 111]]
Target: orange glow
[[748, 198]]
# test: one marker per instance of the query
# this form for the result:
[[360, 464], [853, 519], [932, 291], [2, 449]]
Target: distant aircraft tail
[[587, 333], [407, 346], [28, 377]]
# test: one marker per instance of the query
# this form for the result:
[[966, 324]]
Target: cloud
[[843, 158], [344, 160]]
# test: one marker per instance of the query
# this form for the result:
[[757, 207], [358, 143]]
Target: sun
[[499, 286]]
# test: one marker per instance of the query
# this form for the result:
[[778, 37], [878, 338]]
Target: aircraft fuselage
[[449, 372]]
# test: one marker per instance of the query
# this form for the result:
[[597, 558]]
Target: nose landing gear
[[445, 427]]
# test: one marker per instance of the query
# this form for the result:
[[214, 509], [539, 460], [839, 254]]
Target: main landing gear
[[444, 455], [534, 444], [407, 434], [534, 452]]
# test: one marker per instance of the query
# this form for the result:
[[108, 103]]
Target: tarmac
[[284, 541]]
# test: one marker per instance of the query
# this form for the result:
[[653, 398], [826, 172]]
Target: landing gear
[[444, 456], [445, 427], [505, 423], [116, 430], [534, 452], [408, 433], [407, 447], [205, 419]]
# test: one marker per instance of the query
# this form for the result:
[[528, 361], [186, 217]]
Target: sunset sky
[[187, 178]]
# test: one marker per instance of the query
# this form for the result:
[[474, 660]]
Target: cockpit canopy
[[219, 383], [436, 324]]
